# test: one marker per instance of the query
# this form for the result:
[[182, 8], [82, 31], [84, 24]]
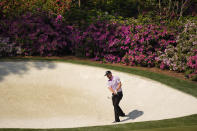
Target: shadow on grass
[[20, 68], [133, 115]]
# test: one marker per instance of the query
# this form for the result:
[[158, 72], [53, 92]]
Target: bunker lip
[[64, 95]]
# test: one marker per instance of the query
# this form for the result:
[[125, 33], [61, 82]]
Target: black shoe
[[116, 121], [123, 115]]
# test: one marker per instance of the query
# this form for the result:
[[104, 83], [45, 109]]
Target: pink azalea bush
[[192, 64], [111, 41], [8, 48], [104, 40], [40, 34], [146, 42], [182, 57]]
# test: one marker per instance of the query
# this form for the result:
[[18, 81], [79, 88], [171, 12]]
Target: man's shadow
[[133, 115]]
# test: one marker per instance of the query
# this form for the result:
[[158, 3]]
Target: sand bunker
[[64, 95]]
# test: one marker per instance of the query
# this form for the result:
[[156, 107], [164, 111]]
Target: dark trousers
[[117, 110]]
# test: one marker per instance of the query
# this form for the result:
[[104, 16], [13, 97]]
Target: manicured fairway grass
[[184, 128], [188, 123]]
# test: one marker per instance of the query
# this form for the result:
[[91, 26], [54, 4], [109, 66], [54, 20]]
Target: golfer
[[114, 85]]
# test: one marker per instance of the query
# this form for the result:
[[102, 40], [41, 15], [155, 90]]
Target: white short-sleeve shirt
[[114, 83]]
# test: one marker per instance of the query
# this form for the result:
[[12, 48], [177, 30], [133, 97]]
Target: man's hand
[[115, 92], [110, 88]]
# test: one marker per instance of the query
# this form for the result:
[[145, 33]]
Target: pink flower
[[87, 54], [162, 66], [192, 63], [58, 18], [142, 40]]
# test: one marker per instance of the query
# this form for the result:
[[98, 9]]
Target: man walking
[[114, 85]]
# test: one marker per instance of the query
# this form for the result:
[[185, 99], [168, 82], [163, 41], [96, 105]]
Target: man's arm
[[110, 88], [119, 86]]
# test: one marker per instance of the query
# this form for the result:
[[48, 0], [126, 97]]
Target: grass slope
[[188, 122], [184, 128]]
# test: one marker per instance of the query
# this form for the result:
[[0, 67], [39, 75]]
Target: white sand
[[64, 95]]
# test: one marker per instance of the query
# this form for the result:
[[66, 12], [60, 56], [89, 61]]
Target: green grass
[[188, 123], [184, 128]]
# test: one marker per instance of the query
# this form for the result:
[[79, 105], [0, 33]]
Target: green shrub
[[18, 7]]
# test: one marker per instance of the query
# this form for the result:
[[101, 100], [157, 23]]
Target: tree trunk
[[160, 7], [79, 3], [177, 7], [183, 7], [169, 7]]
